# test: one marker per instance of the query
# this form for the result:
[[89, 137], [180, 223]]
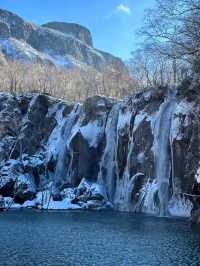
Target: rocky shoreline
[[85, 196]]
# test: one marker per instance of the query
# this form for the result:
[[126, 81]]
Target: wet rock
[[57, 197], [84, 186], [51, 166], [89, 195], [96, 196], [195, 219], [38, 125], [122, 152], [83, 198], [7, 189], [23, 193], [94, 204], [75, 201], [185, 147], [141, 157], [2, 203], [159, 92], [93, 107], [97, 192], [83, 152]]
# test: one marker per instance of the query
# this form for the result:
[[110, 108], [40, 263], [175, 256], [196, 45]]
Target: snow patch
[[139, 118], [124, 119], [183, 108], [20, 50], [92, 132]]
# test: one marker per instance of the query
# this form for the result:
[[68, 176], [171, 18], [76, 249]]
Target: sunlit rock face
[[139, 155], [79, 32], [56, 43]]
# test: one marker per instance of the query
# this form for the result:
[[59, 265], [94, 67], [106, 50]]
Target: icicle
[[163, 153], [66, 130], [107, 174]]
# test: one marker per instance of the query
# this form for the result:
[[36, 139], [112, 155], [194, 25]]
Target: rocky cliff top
[[79, 32]]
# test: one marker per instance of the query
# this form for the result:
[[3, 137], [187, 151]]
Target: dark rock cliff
[[140, 154]]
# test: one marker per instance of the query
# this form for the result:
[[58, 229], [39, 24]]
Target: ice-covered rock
[[139, 155]]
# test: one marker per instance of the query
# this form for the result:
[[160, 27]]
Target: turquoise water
[[95, 238]]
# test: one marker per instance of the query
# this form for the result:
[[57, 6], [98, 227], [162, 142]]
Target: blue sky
[[112, 22]]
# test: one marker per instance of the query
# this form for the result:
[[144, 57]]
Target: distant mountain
[[57, 43]]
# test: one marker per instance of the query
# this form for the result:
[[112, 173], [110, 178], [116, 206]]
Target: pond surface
[[95, 238]]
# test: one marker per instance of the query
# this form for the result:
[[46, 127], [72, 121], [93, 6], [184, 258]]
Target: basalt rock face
[[57, 43], [140, 154]]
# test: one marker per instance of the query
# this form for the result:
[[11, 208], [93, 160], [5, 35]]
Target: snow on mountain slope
[[55, 42]]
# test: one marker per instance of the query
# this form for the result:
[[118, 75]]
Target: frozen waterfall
[[66, 130], [107, 174], [163, 154]]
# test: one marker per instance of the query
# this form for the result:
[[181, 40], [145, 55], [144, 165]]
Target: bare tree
[[73, 84], [170, 50], [172, 28]]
